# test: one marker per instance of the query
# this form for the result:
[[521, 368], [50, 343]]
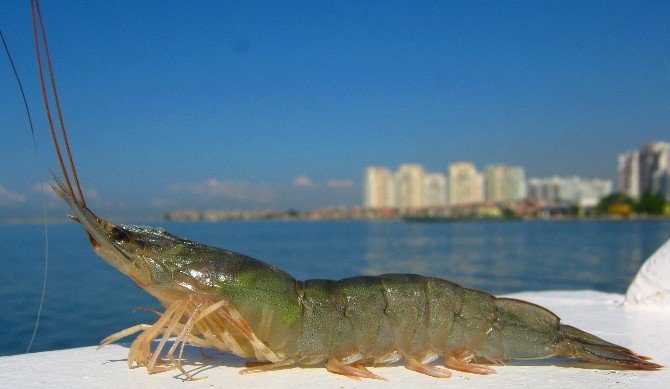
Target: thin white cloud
[[234, 190], [334, 183], [45, 187], [213, 188], [43, 194], [7, 197], [303, 181], [162, 203], [301, 193]]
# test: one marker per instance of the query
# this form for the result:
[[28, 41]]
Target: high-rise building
[[628, 174], [379, 188], [495, 187], [663, 184], [465, 184], [517, 180], [645, 171], [434, 190], [409, 186], [654, 168], [503, 183]]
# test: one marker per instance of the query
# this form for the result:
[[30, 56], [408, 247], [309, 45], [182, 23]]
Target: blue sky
[[218, 104]]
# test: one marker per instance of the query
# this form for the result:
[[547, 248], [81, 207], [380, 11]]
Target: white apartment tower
[[465, 184], [379, 187], [655, 168], [434, 190], [628, 174], [518, 183], [504, 183], [409, 186], [647, 170]]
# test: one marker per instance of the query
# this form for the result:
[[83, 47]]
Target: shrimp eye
[[119, 234]]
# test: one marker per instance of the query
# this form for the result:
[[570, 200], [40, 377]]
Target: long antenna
[[44, 208], [57, 101], [37, 16]]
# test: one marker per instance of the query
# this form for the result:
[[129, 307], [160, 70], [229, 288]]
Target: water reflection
[[513, 256]]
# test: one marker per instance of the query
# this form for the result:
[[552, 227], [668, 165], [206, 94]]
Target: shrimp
[[228, 301], [234, 303]]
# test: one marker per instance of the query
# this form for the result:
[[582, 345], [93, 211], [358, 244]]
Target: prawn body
[[220, 299], [234, 303]]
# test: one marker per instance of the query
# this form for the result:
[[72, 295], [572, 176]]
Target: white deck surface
[[642, 327]]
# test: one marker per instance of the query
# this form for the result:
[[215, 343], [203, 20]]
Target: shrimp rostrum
[[233, 303]]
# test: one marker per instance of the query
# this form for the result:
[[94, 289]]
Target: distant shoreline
[[156, 220]]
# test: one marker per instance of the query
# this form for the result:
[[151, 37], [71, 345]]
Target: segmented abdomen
[[393, 316]]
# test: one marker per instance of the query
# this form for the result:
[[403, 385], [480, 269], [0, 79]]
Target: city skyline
[[571, 188], [411, 187], [265, 106]]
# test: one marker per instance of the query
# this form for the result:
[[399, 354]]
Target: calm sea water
[[87, 300]]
